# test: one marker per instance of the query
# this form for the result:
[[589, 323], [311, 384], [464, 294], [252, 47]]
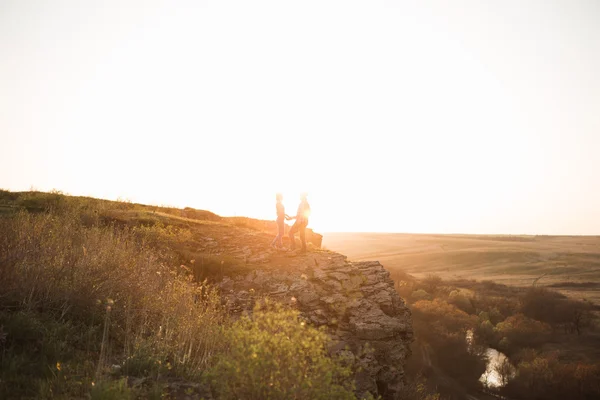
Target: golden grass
[[570, 264]]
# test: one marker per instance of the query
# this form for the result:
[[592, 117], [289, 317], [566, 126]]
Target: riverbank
[[482, 337]]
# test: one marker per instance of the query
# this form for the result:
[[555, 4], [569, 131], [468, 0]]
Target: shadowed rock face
[[356, 301]]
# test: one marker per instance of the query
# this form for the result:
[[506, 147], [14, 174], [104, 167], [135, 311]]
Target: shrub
[[117, 390], [417, 389], [495, 315], [275, 355], [443, 315], [555, 309], [504, 344], [547, 377], [432, 282], [523, 331], [485, 332], [461, 300], [420, 295], [496, 306], [442, 328]]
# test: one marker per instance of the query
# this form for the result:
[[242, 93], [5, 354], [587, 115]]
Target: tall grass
[[111, 298], [90, 301]]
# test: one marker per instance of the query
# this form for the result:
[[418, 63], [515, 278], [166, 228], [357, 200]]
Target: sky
[[395, 116]]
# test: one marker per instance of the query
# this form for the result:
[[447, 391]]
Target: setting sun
[[414, 120]]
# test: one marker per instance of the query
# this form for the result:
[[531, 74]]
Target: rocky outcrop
[[356, 301]]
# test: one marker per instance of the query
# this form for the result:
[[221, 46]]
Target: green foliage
[[505, 344], [556, 310], [461, 300], [444, 316], [484, 316], [495, 315], [157, 234], [32, 345], [547, 377], [112, 390], [417, 389], [420, 294], [275, 355], [440, 329], [432, 282], [523, 323], [37, 201], [523, 331], [145, 362], [485, 332]]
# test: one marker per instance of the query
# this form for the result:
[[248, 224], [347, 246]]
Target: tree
[[522, 331], [505, 370], [432, 282], [582, 318]]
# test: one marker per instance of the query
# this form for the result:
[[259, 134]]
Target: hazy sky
[[408, 116]]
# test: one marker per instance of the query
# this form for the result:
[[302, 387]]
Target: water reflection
[[498, 370]]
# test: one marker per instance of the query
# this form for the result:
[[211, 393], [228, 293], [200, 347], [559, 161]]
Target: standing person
[[281, 217], [301, 223]]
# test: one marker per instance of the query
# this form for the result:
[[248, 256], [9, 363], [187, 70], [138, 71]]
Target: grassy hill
[[570, 264], [113, 300]]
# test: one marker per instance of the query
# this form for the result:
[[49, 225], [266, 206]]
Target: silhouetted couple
[[299, 225]]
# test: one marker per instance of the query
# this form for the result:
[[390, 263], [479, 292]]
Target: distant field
[[570, 264]]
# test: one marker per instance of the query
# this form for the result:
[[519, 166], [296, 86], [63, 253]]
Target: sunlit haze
[[403, 116]]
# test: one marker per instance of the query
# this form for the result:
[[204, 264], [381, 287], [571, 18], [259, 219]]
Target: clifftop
[[356, 301]]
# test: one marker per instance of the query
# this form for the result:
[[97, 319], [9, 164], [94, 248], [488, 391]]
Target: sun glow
[[393, 116]]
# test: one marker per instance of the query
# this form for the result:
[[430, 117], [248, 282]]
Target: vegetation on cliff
[[105, 300]]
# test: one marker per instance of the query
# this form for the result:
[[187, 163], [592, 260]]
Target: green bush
[[485, 333], [275, 355], [461, 300], [549, 377], [431, 283], [522, 331], [112, 390], [31, 346], [420, 294]]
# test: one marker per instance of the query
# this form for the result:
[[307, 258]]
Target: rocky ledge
[[356, 301]]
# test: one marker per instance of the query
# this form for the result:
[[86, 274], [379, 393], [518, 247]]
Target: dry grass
[[96, 292], [94, 295]]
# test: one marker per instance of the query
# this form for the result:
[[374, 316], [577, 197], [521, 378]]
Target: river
[[497, 366]]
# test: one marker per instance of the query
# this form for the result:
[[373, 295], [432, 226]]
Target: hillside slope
[[356, 303]]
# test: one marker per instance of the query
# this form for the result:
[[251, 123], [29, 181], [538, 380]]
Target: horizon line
[[458, 233]]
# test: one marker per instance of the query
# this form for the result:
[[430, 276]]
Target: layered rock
[[356, 301]]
